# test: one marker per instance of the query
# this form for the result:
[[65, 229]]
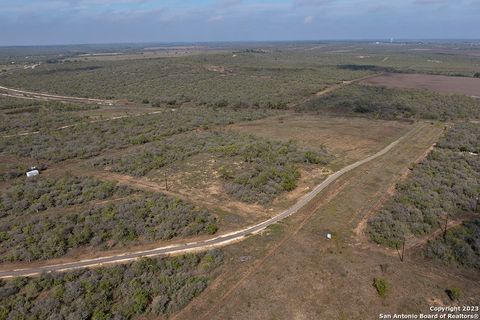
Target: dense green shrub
[[454, 293], [447, 181], [39, 121], [40, 193], [149, 287], [90, 139], [16, 105], [386, 103], [21, 116], [140, 218], [461, 245], [10, 171], [366, 67], [251, 78], [381, 285]]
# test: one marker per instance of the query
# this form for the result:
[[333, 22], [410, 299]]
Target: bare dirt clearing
[[198, 179], [437, 83], [348, 139]]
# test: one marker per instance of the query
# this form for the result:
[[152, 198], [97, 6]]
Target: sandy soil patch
[[218, 69]]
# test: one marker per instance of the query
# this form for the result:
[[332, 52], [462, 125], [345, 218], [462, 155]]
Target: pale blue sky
[[25, 22]]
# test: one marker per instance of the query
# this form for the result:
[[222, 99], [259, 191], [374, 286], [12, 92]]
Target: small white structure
[[329, 236], [32, 173]]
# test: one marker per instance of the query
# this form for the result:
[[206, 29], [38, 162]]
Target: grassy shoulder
[[147, 287]]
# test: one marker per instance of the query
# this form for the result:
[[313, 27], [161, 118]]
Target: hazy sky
[[106, 21]]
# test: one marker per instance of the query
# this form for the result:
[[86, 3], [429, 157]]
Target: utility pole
[[165, 164], [446, 226], [401, 255], [166, 180]]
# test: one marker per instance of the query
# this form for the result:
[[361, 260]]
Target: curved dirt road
[[218, 241], [23, 94]]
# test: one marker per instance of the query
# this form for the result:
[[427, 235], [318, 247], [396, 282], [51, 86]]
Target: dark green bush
[[454, 293], [381, 285]]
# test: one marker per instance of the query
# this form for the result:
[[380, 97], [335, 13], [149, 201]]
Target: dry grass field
[[347, 138], [438, 83]]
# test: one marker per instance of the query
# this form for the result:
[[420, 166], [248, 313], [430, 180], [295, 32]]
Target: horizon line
[[386, 40]]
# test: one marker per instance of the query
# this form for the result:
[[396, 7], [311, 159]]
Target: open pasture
[[347, 138], [438, 83]]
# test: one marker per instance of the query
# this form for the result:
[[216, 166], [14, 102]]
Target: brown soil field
[[437, 83], [293, 272]]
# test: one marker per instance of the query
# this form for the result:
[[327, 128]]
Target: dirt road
[[333, 88], [29, 95], [218, 241]]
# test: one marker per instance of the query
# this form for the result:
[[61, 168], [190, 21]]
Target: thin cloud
[[430, 2], [227, 3], [310, 3], [216, 18], [308, 20]]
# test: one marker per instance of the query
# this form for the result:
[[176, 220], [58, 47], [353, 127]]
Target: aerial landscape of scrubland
[[239, 159], [299, 180]]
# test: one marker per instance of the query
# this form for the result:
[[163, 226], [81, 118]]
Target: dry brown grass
[[442, 84], [348, 139]]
